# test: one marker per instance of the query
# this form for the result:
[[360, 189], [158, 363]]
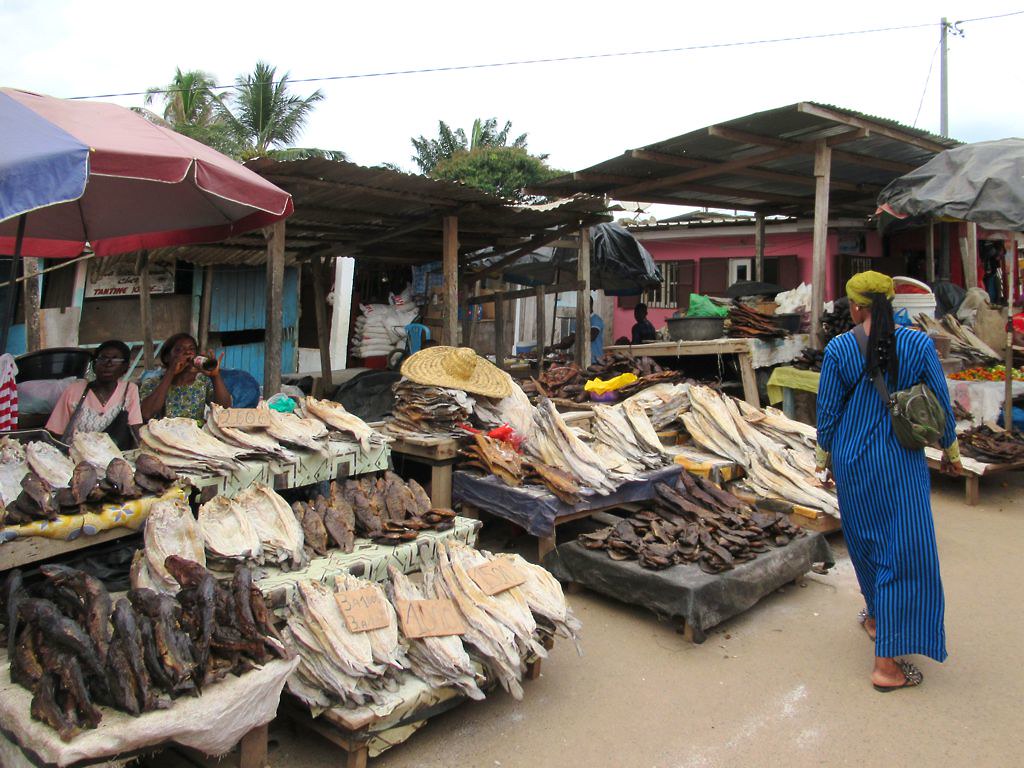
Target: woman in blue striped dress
[[884, 489]]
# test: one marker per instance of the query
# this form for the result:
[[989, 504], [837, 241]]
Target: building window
[[676, 285]]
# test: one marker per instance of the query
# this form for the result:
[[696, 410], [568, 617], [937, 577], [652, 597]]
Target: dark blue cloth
[[40, 164], [244, 389], [884, 493]]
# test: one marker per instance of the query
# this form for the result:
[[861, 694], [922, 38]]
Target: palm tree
[[189, 98], [430, 152], [265, 119]]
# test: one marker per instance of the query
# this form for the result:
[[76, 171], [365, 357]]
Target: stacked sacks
[[380, 329]]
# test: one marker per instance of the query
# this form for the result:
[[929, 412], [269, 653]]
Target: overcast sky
[[578, 112]]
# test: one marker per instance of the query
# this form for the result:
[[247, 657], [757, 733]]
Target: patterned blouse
[[188, 401]]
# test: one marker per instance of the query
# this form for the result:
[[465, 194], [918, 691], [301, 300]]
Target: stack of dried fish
[[693, 522], [546, 599], [515, 410], [749, 323], [776, 452], [663, 402], [13, 467], [566, 382], [296, 431], [183, 446], [63, 650], [170, 530], [326, 522], [279, 532], [256, 443], [96, 448], [838, 320], [504, 462], [809, 360], [337, 418], [963, 342], [51, 485], [629, 449], [986, 444], [422, 411], [227, 532], [555, 444]]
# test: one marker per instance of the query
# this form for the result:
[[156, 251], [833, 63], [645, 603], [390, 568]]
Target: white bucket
[[915, 303]]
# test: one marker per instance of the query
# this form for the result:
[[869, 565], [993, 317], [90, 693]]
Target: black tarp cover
[[982, 182], [536, 509], [619, 264], [702, 600]]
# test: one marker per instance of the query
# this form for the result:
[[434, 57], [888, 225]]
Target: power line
[[927, 79], [583, 57]]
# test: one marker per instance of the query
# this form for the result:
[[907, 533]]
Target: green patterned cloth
[[188, 401]]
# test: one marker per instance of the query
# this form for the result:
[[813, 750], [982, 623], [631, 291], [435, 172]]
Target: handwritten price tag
[[363, 609], [429, 618], [496, 576], [244, 418]]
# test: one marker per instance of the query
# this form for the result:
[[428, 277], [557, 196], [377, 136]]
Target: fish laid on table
[[544, 596], [335, 416], [94, 598], [84, 479], [279, 531], [385, 643], [227, 531], [121, 478], [314, 532], [555, 444], [97, 448], [171, 529], [295, 431], [183, 438], [52, 466], [255, 442]]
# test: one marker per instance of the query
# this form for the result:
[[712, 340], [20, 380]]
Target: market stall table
[[232, 711], [439, 453], [538, 511], [685, 592], [742, 348], [974, 470]]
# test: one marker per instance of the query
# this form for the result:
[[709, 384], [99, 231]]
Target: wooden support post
[[970, 256], [323, 330], [469, 323], [205, 307], [145, 311], [274, 235], [929, 262], [1010, 270], [441, 485], [822, 175], [972, 490], [500, 353], [450, 264], [541, 298], [745, 360], [252, 749], [33, 335], [759, 246], [583, 301]]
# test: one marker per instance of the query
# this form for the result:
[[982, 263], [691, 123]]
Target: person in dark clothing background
[[643, 330]]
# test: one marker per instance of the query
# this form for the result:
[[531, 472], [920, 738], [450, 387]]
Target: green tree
[[501, 170], [449, 142], [192, 107], [265, 118]]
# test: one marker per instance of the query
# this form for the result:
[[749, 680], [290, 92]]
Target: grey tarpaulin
[[536, 509], [982, 182], [684, 591]]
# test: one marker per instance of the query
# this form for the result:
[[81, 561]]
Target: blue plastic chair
[[416, 333]]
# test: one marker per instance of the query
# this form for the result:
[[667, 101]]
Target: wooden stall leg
[[686, 630], [357, 758], [533, 670], [789, 403], [545, 544], [746, 363], [441, 485], [972, 486], [253, 748]]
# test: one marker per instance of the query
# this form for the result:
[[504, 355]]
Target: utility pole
[[943, 81]]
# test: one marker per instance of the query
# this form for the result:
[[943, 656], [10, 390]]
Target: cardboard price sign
[[496, 576], [244, 418], [429, 618], [363, 609]]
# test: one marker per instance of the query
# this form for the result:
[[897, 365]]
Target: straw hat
[[457, 368]]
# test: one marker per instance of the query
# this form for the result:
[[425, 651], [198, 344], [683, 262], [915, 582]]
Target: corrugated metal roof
[[764, 162], [347, 209]]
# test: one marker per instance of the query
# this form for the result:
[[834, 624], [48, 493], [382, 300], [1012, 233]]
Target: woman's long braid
[[882, 340]]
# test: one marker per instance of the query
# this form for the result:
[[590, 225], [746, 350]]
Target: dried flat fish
[[256, 442], [97, 448], [334, 415], [385, 644], [52, 466], [280, 533], [227, 531], [544, 596], [308, 434], [170, 530]]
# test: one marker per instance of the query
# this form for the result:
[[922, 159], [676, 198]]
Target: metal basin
[[695, 328]]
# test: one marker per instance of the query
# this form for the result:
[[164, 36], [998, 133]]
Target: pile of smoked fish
[[74, 650], [566, 382], [502, 631], [693, 522], [385, 509], [749, 323], [44, 483], [422, 410], [988, 445], [838, 320], [500, 459]]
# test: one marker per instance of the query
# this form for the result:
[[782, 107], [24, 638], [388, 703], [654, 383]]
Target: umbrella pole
[[12, 287]]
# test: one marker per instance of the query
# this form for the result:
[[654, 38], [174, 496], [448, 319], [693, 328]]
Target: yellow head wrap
[[863, 283]]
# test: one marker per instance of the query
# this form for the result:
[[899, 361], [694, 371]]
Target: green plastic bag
[[702, 306]]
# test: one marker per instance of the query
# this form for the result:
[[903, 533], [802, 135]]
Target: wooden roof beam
[[390, 194], [879, 129]]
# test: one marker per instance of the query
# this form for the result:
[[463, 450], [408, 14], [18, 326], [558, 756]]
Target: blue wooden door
[[239, 305]]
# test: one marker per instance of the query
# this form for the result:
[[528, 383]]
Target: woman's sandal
[[862, 617], [911, 674]]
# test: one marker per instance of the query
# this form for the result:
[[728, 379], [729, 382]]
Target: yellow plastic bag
[[599, 387]]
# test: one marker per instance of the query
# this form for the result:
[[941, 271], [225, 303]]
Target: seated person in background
[[105, 404], [184, 389], [643, 329], [596, 336]]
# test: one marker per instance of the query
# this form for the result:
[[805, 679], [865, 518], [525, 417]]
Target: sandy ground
[[787, 683]]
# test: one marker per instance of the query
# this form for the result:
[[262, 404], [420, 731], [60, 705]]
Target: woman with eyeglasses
[[106, 404]]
